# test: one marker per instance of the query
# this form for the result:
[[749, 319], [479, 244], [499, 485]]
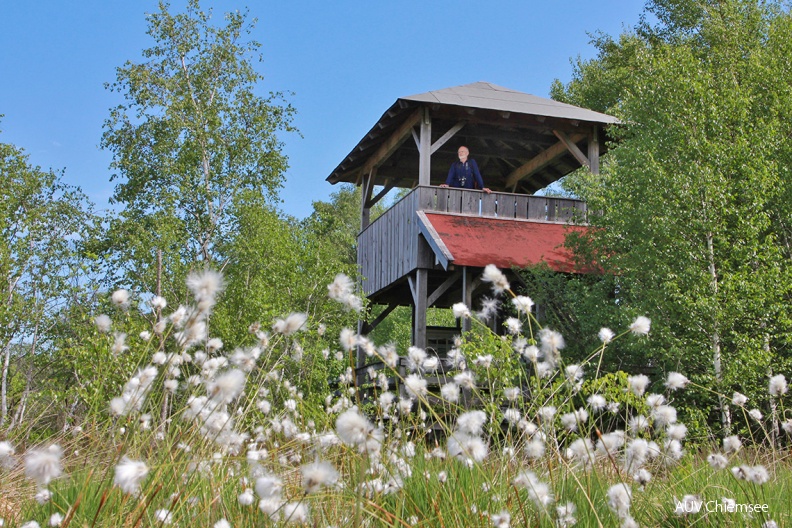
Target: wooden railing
[[501, 205], [389, 248]]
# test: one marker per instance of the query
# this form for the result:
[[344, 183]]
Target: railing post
[[426, 198]]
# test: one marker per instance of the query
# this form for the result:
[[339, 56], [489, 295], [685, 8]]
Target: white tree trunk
[[715, 339], [19, 416], [4, 384], [12, 282]]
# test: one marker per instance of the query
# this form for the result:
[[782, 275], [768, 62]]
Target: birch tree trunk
[[20, 413], [715, 338], [4, 384], [6, 358]]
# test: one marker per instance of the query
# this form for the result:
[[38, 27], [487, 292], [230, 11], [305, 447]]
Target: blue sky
[[345, 61]]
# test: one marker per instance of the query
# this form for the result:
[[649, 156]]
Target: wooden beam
[[365, 209], [393, 142], [369, 327], [450, 281], [416, 139], [523, 122], [425, 150], [594, 149], [511, 143], [448, 135], [388, 186], [419, 308], [411, 282], [467, 295], [360, 356], [573, 148], [539, 161]]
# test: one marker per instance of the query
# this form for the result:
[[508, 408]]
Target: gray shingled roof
[[493, 97]]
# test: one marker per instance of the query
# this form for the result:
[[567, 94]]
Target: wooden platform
[[390, 248]]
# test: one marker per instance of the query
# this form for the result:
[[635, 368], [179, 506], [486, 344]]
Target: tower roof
[[508, 132], [484, 95]]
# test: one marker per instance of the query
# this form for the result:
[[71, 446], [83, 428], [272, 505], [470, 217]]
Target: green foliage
[[43, 222], [396, 328], [207, 441], [192, 134], [600, 84], [506, 369], [694, 195], [275, 265], [83, 351], [335, 224], [613, 387], [577, 306]]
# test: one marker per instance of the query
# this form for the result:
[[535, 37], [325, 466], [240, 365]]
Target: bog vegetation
[[515, 433], [189, 360]]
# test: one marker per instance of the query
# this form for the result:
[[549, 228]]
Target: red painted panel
[[477, 241]]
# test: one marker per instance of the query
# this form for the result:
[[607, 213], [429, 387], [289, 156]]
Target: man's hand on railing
[[442, 185]]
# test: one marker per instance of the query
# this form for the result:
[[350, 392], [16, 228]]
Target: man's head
[[463, 153]]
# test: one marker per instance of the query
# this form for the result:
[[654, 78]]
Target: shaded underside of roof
[[478, 241], [503, 129]]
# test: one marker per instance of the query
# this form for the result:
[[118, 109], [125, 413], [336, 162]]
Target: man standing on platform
[[465, 173]]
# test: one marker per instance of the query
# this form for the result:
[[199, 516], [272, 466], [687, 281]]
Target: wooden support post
[[425, 154], [467, 298], [467, 295], [412, 323], [365, 207], [594, 149], [419, 308], [360, 358], [540, 311]]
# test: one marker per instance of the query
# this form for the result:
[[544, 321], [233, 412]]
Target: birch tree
[[193, 132], [42, 221]]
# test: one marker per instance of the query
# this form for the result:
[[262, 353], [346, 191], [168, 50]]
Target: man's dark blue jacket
[[464, 174]]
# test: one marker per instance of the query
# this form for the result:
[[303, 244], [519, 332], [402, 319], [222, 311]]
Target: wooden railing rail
[[501, 205]]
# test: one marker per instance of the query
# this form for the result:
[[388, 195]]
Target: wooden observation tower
[[430, 247]]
